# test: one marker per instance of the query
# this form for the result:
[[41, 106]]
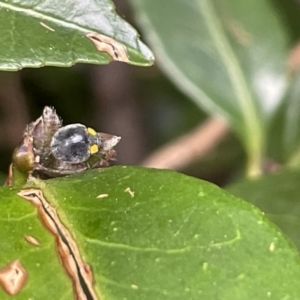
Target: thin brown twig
[[14, 113], [189, 147]]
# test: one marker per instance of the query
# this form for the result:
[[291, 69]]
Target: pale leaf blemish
[[272, 247], [129, 191], [114, 49], [204, 266], [201, 194], [13, 277], [134, 287], [46, 26], [102, 196], [31, 240]]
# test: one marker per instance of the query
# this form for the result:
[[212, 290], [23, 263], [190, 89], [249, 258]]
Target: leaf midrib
[[234, 70], [43, 16]]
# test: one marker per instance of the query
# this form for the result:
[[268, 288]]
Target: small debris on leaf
[[30, 239], [134, 287], [129, 191], [102, 196], [46, 26]]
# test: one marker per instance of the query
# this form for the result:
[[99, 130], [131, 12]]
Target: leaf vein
[[134, 248]]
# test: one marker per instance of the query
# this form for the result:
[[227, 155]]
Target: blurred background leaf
[[284, 137], [221, 55]]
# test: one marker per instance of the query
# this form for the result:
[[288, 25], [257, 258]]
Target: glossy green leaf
[[151, 234], [278, 195], [52, 33], [228, 56]]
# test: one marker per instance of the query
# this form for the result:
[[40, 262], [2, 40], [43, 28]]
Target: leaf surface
[[48, 32], [278, 195], [18, 220], [151, 234]]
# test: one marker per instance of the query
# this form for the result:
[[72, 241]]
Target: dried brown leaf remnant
[[79, 271], [189, 147], [13, 277], [106, 44]]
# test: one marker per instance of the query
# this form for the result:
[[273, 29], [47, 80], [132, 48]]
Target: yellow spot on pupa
[[94, 149], [91, 131]]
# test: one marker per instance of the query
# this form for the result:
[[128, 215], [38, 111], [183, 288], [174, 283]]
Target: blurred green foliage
[[233, 59]]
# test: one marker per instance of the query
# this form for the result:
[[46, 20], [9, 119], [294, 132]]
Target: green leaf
[[278, 195], [50, 33], [149, 234], [284, 138], [45, 279], [220, 55]]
